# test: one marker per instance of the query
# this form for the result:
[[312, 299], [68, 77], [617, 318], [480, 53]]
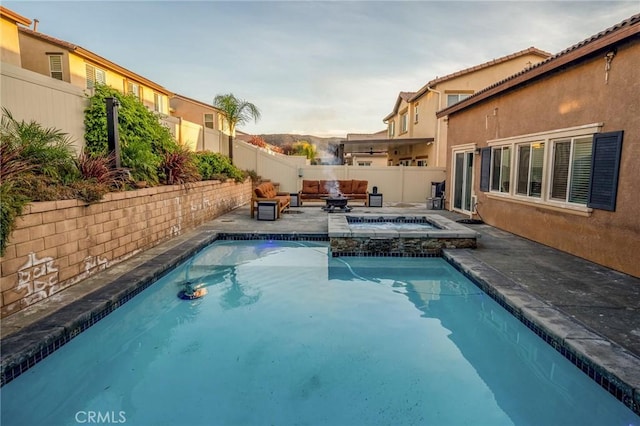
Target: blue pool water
[[289, 335]]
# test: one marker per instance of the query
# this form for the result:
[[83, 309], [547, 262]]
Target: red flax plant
[[98, 177], [179, 167]]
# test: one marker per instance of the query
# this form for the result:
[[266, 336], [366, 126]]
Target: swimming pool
[[288, 334]]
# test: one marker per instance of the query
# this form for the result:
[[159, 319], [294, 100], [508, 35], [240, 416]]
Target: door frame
[[469, 151]]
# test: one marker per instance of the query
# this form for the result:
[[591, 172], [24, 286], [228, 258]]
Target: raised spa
[[396, 235]]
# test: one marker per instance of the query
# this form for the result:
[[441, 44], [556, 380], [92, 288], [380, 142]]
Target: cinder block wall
[[59, 243]]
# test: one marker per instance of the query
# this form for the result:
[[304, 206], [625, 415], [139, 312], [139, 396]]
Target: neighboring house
[[9, 42], [201, 126], [82, 68], [416, 137], [205, 115], [366, 151], [552, 153]]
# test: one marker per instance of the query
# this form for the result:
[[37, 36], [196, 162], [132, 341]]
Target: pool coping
[[445, 228], [608, 364], [612, 367], [352, 241]]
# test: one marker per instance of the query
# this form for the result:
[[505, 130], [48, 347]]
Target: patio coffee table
[[333, 203]]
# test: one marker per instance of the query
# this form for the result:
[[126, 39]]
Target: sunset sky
[[325, 68]]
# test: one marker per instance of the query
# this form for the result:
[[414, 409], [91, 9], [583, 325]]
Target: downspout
[[438, 134], [437, 124]]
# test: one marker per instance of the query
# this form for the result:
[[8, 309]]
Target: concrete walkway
[[589, 313]]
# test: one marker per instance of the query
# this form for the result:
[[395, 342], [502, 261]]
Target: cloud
[[319, 67]]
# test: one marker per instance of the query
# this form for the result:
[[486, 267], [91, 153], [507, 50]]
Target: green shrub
[[214, 165], [143, 140], [11, 207], [34, 162]]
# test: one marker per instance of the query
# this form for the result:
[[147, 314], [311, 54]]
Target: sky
[[325, 68]]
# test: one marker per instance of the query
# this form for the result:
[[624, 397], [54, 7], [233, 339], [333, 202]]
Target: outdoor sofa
[[267, 192], [317, 190]]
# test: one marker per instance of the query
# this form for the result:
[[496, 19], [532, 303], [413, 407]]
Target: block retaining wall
[[59, 243]]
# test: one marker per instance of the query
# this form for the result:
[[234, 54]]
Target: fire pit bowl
[[336, 202]]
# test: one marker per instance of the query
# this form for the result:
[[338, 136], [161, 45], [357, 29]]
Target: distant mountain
[[289, 139]]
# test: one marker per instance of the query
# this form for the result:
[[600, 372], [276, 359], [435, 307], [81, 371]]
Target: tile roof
[[602, 40], [530, 51], [402, 96], [195, 101]]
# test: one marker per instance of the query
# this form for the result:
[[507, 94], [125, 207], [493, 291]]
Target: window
[[158, 103], [415, 113], [208, 121], [404, 122], [501, 169], [94, 76], [392, 128], [529, 169], [421, 163], [364, 163], [570, 169], [133, 89], [456, 97], [574, 168], [55, 66]]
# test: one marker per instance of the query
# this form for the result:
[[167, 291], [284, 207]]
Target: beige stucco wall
[[192, 111], [573, 97], [58, 243], [428, 126]]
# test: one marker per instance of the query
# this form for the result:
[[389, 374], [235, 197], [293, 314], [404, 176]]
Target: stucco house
[[551, 153], [206, 115], [9, 42], [415, 136], [366, 151], [82, 68], [209, 120]]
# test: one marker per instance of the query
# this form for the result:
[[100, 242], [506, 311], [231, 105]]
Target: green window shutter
[[485, 169], [605, 158]]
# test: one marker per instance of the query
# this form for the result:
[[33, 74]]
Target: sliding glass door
[[462, 180]]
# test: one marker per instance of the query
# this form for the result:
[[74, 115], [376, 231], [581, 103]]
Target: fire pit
[[336, 202]]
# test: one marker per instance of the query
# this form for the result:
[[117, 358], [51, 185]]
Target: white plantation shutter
[[55, 66], [101, 76], [537, 169], [90, 75], [580, 171]]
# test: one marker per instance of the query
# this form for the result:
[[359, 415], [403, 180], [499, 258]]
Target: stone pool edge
[[346, 241], [609, 365]]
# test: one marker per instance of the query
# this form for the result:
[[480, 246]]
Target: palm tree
[[235, 111]]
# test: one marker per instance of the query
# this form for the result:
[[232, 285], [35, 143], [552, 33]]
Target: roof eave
[[17, 18]]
